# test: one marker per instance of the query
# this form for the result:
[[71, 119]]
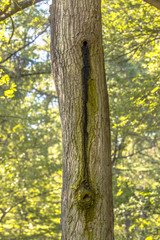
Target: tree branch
[[9, 209], [34, 73], [26, 45], [18, 6], [13, 28], [155, 3], [135, 153]]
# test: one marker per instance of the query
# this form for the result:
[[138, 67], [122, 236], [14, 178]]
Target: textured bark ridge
[[78, 72]]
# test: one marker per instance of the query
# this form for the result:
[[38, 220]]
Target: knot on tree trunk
[[86, 196]]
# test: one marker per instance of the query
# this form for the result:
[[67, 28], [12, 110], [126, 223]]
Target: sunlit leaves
[[7, 88], [3, 4], [136, 211], [149, 238], [132, 48], [30, 136]]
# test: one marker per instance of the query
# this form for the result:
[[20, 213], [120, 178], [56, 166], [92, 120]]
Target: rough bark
[[78, 72]]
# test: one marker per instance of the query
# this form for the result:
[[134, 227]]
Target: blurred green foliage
[[30, 136], [131, 43]]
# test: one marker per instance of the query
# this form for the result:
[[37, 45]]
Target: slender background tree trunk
[[78, 72]]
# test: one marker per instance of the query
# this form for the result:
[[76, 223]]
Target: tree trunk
[[155, 3], [78, 72]]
